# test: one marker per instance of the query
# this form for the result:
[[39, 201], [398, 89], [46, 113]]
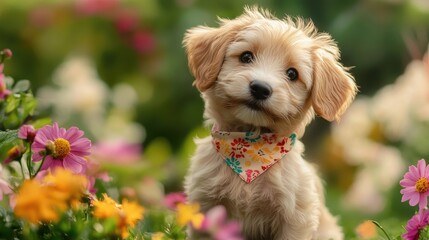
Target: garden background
[[118, 71]]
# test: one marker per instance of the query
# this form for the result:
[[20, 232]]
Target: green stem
[[382, 229], [22, 170], [40, 166], [29, 165]]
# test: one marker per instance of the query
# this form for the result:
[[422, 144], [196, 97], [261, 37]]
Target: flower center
[[62, 148], [422, 185]]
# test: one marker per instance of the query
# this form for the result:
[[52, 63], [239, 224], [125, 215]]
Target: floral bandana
[[249, 155]]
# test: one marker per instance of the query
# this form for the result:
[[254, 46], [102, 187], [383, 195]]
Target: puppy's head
[[257, 71]]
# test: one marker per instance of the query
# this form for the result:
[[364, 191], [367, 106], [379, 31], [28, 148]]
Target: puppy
[[262, 80]]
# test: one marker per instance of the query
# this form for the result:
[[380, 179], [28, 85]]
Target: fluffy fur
[[287, 201]]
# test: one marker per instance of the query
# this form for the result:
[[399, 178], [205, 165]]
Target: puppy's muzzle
[[260, 90]]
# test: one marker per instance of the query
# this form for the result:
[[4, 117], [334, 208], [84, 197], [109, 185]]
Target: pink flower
[[27, 132], [4, 92], [416, 185], [216, 223], [92, 7], [65, 148], [143, 42], [4, 188], [415, 224], [172, 199], [127, 20], [116, 152]]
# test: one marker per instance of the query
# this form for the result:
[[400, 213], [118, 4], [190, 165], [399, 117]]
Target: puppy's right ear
[[206, 49]]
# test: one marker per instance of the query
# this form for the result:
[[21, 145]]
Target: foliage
[[56, 189], [139, 89]]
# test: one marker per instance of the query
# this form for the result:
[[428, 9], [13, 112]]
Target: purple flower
[[416, 185], [415, 224], [64, 148], [219, 227]]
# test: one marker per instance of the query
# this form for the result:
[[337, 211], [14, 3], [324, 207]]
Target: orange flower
[[126, 215], [189, 213], [66, 186], [260, 152], [34, 204], [366, 230], [45, 201]]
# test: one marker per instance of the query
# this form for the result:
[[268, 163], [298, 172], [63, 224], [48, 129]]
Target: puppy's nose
[[260, 90]]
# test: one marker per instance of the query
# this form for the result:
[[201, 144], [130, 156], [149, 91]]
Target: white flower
[[79, 91]]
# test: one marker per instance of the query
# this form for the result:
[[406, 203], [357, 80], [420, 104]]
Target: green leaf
[[27, 106], [9, 82], [11, 121], [21, 86], [7, 137], [7, 140], [41, 122], [11, 103]]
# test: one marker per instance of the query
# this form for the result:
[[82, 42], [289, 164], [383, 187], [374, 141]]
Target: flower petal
[[413, 172], [72, 165], [407, 183], [421, 166], [423, 201], [81, 147], [73, 134], [415, 198]]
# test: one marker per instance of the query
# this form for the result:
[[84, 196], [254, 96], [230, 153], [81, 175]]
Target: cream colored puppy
[[262, 80]]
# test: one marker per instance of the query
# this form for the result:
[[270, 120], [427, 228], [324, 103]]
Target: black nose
[[260, 90]]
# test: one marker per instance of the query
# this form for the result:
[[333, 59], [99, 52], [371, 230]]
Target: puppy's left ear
[[333, 86], [206, 49]]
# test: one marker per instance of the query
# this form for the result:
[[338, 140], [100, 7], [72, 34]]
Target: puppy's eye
[[246, 57], [292, 74]]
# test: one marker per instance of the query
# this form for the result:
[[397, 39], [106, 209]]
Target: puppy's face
[[260, 72]]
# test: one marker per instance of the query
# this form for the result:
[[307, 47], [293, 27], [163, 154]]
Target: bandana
[[248, 154]]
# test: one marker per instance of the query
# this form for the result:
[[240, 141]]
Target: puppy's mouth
[[255, 105]]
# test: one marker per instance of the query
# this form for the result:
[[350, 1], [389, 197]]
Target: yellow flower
[[189, 213], [158, 236], [133, 212], [126, 214], [366, 230], [45, 201], [107, 208]]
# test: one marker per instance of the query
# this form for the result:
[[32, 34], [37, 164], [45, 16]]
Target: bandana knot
[[249, 154]]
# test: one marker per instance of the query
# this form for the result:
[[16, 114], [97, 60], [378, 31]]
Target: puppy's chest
[[224, 182], [260, 192]]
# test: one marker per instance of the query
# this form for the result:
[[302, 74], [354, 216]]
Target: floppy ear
[[206, 46], [333, 86], [206, 49]]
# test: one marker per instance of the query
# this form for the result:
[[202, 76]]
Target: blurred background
[[117, 69]]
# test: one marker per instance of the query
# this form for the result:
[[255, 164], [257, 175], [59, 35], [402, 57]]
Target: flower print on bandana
[[249, 154], [261, 152], [234, 164], [239, 147], [251, 137], [251, 174]]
